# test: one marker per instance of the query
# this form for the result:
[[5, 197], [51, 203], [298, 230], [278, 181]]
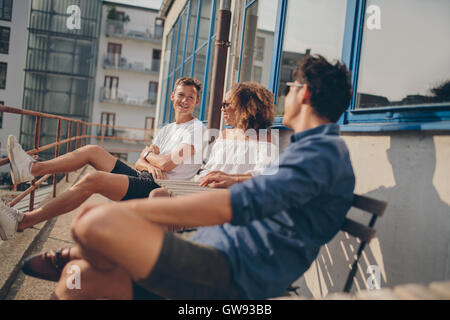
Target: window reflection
[[258, 42], [405, 62], [312, 27]]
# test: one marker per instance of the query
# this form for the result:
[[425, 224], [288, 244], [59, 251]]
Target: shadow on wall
[[412, 243]]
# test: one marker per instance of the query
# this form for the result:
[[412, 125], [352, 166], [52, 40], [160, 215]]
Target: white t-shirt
[[236, 156], [172, 135]]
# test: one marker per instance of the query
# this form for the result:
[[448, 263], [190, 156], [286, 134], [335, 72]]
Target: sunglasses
[[225, 105], [291, 84]]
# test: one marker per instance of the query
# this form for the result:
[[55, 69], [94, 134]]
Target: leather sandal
[[47, 265]]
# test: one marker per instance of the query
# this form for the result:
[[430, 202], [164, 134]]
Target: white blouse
[[237, 156]]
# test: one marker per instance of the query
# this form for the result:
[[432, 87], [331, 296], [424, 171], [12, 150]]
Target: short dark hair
[[186, 81], [328, 84]]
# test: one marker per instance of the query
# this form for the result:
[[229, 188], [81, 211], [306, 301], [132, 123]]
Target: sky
[[153, 4]]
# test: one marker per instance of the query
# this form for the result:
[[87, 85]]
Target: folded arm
[[168, 162]]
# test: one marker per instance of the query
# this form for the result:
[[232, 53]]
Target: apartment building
[[127, 77], [13, 43]]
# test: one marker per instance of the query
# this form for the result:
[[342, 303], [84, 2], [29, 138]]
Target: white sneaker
[[9, 220], [19, 161]]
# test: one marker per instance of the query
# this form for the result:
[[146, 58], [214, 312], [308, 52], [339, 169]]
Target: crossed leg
[[116, 247]]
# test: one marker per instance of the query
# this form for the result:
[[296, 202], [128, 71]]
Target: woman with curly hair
[[246, 149]]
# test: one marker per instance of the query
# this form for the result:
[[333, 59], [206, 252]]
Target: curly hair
[[253, 105], [328, 84]]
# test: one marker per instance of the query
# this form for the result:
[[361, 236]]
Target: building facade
[[127, 77], [13, 44], [61, 58], [397, 126]]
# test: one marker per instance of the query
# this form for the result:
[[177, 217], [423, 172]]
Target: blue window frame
[[191, 50], [386, 116]]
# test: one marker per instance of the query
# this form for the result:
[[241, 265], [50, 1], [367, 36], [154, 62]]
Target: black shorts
[[188, 270], [140, 184]]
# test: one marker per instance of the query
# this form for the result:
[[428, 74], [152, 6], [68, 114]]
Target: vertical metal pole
[[102, 140], [69, 136], [37, 131], [219, 64], [58, 138], [83, 142], [77, 144]]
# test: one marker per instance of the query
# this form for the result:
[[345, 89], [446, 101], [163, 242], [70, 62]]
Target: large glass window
[[258, 41], [4, 39], [6, 9], [311, 27], [190, 49], [403, 61]]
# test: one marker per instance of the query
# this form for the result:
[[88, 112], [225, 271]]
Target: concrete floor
[[53, 234]]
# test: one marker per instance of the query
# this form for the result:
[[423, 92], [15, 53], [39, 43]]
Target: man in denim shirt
[[254, 239]]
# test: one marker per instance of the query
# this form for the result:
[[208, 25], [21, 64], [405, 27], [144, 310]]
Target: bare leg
[[96, 156], [122, 237], [112, 186], [94, 284]]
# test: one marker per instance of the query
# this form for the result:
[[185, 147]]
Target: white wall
[[12, 95], [409, 170]]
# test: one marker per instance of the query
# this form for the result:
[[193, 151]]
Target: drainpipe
[[219, 63]]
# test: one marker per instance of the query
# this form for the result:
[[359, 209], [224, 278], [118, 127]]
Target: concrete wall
[[411, 171]]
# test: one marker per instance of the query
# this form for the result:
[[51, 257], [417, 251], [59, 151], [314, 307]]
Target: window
[[189, 51], [159, 28], [4, 39], [1, 115], [325, 25], [109, 119], [6, 9], [149, 126], [257, 74], [152, 92], [111, 88], [156, 60], [258, 32], [259, 53], [417, 72], [399, 83], [113, 54], [3, 67]]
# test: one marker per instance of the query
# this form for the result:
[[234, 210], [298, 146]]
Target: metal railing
[[130, 30], [80, 140], [118, 96], [119, 62]]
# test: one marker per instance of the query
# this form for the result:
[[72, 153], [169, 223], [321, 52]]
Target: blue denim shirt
[[280, 221]]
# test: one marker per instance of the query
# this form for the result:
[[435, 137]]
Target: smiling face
[[184, 99], [229, 112]]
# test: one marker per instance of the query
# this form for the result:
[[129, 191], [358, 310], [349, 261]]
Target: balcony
[[117, 96], [126, 135], [122, 29], [116, 62]]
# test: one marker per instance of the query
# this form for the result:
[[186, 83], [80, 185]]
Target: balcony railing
[[114, 61], [128, 30], [114, 95], [125, 134], [73, 141]]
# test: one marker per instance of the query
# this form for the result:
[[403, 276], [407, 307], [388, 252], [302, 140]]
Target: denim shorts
[[140, 183], [188, 270]]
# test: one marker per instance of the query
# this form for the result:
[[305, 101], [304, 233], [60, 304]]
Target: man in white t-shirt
[[176, 153]]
